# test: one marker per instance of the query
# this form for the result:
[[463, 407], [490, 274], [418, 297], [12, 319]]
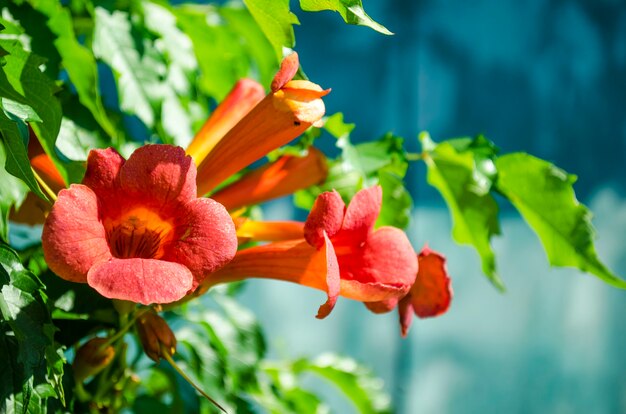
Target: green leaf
[[22, 81], [256, 45], [544, 196], [380, 162], [355, 381], [138, 76], [465, 189], [78, 61], [14, 135], [12, 193], [23, 307], [219, 51], [276, 21], [351, 11]]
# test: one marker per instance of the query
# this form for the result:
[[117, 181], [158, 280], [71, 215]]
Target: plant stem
[[168, 358], [44, 186]]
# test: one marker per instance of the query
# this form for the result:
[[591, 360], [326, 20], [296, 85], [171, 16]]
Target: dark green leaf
[[351, 11], [23, 307], [12, 193], [14, 135], [544, 196], [455, 174], [22, 81], [276, 21]]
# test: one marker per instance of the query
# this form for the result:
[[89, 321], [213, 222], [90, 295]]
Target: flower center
[[139, 233]]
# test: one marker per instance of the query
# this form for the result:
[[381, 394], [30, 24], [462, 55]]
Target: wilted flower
[[91, 358]]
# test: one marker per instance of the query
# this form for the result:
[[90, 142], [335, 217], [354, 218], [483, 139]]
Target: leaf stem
[[166, 354], [415, 156], [126, 326]]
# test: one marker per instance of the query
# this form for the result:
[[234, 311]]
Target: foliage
[[80, 75]]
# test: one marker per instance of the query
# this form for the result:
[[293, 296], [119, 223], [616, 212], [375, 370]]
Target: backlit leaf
[[356, 382], [77, 60], [351, 11], [138, 76], [544, 196], [276, 21], [455, 174]]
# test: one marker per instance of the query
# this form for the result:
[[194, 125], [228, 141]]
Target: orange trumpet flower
[[287, 111]]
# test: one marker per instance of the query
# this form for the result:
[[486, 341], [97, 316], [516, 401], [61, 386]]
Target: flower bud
[[153, 333], [91, 358]]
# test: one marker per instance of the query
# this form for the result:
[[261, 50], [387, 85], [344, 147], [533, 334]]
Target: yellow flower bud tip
[[91, 358], [154, 333]]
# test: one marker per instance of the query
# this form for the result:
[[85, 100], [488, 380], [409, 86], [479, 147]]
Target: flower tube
[[286, 112], [284, 176], [339, 253]]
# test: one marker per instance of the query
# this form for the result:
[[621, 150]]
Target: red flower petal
[[103, 170], [326, 216], [333, 280], [143, 281], [431, 294], [288, 69], [205, 241], [73, 238], [382, 306], [161, 172], [405, 313], [384, 267], [361, 214]]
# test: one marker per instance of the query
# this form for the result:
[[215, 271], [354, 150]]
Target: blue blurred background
[[547, 77]]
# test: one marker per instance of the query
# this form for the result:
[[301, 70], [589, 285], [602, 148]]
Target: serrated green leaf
[[350, 10], [276, 21], [14, 133], [355, 381], [544, 196], [466, 192], [23, 307], [77, 60], [138, 76]]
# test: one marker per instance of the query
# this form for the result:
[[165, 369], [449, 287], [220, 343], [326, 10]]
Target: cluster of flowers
[[142, 230]]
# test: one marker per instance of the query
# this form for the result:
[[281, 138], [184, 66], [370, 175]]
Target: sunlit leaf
[[381, 162], [351, 11], [77, 60], [276, 21], [22, 81], [544, 196], [356, 382], [138, 76], [219, 51], [455, 174]]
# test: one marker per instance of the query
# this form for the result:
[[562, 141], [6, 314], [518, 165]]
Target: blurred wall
[[547, 77]]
